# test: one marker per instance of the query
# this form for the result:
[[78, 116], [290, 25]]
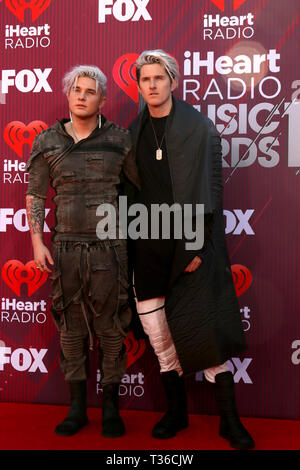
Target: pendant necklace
[[159, 149]]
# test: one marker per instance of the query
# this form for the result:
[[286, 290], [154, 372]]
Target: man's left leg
[[111, 319], [231, 427]]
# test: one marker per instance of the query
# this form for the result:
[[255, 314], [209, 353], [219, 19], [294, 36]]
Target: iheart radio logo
[[18, 7], [15, 273], [125, 75], [16, 134], [242, 278], [221, 3], [135, 348]]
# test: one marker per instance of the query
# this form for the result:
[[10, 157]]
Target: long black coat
[[201, 307]]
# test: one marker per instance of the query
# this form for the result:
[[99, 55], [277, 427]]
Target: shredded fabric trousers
[[153, 318], [89, 292]]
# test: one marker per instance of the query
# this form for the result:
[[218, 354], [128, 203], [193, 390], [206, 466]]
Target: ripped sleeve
[[39, 174]]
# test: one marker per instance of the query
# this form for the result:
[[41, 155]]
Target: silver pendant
[[158, 154]]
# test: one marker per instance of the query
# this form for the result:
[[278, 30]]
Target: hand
[[41, 255], [194, 264]]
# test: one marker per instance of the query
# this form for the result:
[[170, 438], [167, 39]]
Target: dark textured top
[[83, 174], [153, 257]]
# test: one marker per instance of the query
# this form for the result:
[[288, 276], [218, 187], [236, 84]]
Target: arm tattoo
[[35, 208]]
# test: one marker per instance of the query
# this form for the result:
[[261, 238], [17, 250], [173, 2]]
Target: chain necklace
[[159, 149]]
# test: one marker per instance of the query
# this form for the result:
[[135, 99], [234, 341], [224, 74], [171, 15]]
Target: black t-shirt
[[153, 258]]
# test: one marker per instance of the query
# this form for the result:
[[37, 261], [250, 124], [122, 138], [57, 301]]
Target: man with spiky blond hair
[[83, 157]]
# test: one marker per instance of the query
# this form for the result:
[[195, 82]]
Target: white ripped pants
[[153, 318]]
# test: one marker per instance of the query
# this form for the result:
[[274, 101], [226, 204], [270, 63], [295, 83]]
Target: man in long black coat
[[185, 298]]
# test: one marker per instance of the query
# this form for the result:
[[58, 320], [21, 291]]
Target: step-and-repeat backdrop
[[239, 64]]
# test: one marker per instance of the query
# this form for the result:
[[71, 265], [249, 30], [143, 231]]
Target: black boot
[[230, 426], [77, 416], [112, 424], [176, 417]]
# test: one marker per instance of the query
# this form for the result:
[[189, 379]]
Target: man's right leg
[[153, 319], [112, 364], [74, 363], [72, 325]]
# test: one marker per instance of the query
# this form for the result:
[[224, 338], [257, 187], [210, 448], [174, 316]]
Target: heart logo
[[221, 4], [242, 278], [15, 273], [16, 134], [18, 7], [124, 74], [135, 348]]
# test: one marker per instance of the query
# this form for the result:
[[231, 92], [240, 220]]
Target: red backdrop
[[239, 64]]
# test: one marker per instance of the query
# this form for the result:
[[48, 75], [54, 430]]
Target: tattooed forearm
[[35, 208]]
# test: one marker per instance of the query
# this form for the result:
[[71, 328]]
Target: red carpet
[[30, 427]]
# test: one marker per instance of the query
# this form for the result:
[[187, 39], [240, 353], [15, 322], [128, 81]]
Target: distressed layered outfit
[[90, 279]]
